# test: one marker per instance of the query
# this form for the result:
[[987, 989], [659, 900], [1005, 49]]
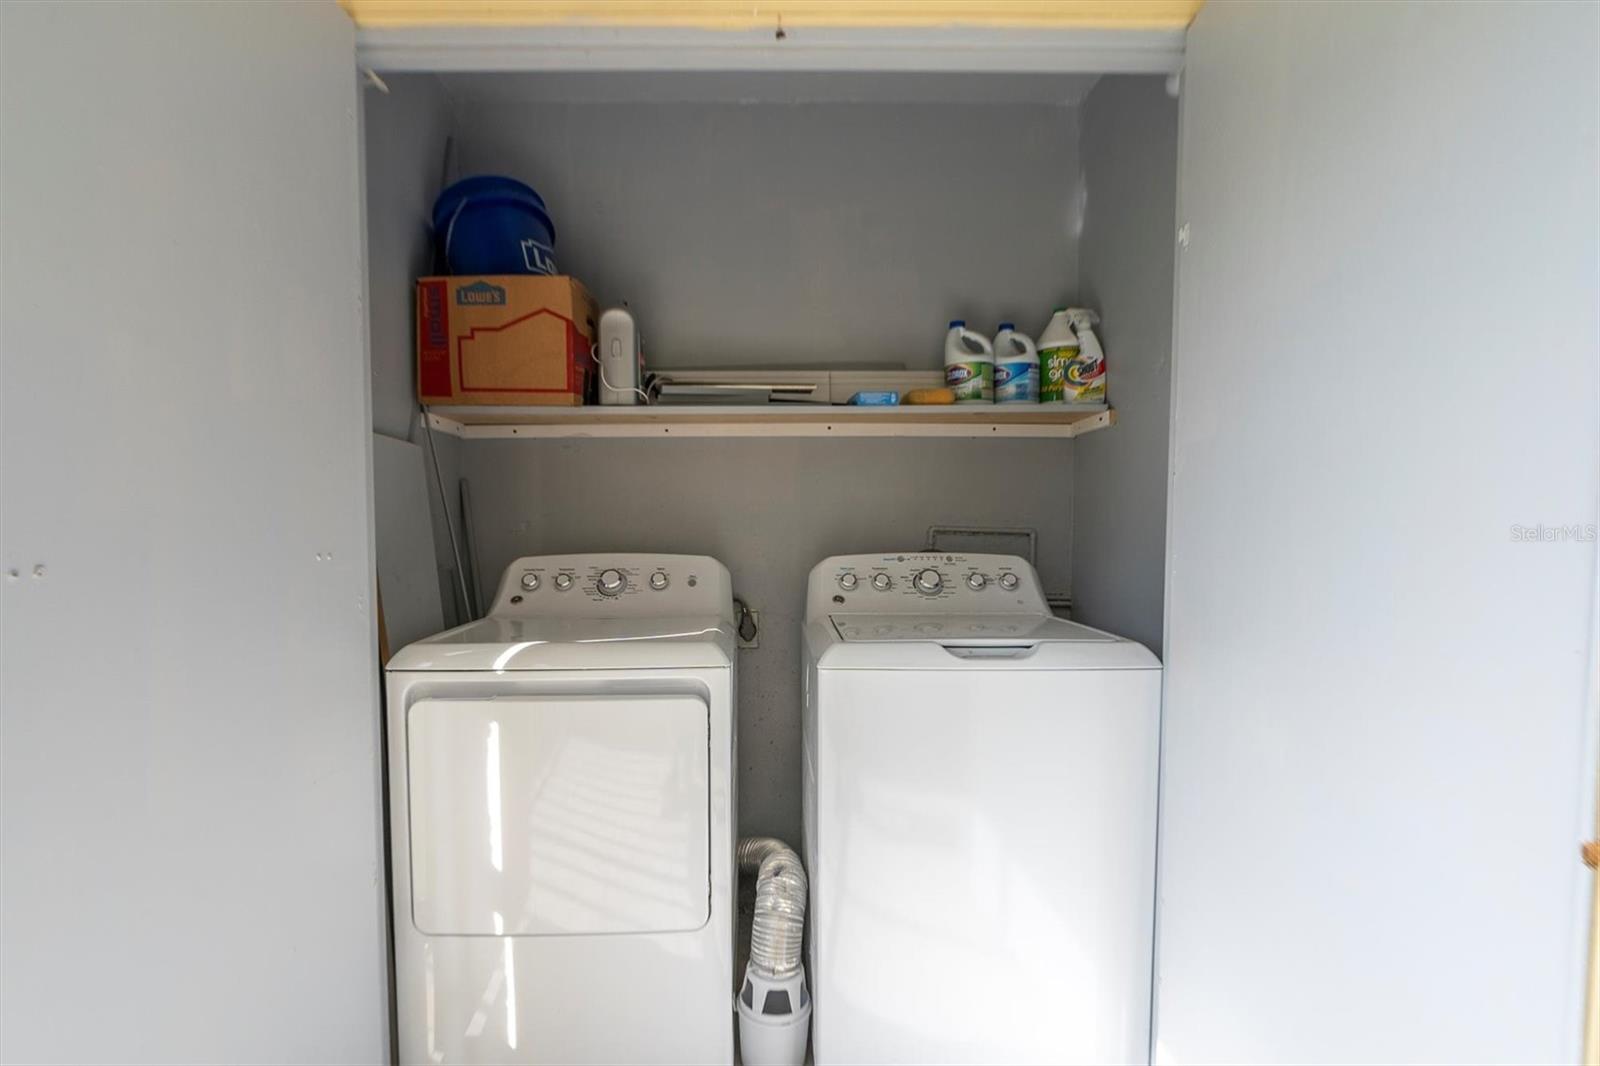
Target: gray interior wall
[[189, 799], [798, 233], [405, 130], [1380, 704], [406, 134], [1130, 163], [769, 509]]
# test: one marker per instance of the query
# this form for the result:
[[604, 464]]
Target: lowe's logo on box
[[480, 294]]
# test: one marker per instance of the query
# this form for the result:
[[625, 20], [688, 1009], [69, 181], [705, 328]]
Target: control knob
[[929, 581], [847, 581], [881, 582], [530, 581], [1008, 582], [975, 582], [658, 580], [563, 582], [611, 582]]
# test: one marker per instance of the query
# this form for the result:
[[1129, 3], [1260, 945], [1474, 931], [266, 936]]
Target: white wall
[[770, 509], [188, 714], [1119, 514], [797, 233], [1379, 702]]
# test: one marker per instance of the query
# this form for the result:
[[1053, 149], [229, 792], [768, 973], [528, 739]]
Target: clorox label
[[970, 381], [1016, 382]]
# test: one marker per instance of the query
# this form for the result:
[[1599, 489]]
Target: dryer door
[[559, 815]]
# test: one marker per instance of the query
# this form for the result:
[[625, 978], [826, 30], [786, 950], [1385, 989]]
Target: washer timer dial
[[611, 582], [928, 582]]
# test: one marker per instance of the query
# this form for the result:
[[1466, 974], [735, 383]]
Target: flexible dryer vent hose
[[780, 921]]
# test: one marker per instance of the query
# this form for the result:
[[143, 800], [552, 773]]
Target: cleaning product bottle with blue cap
[[968, 364], [1016, 366]]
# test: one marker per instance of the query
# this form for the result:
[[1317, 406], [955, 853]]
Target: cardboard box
[[504, 339]]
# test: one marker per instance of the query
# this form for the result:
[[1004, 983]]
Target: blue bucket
[[493, 225]]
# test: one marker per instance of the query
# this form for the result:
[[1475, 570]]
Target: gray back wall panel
[[406, 133], [770, 509], [406, 130], [803, 233], [1119, 517]]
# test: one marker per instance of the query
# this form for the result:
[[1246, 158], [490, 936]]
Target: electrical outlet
[[755, 641]]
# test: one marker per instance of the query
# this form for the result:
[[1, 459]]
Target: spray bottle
[[968, 364], [1090, 377]]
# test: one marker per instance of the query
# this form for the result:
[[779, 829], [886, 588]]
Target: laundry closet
[[755, 222], [783, 220], [1353, 521]]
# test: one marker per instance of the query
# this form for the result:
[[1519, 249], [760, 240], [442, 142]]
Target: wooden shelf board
[[772, 420]]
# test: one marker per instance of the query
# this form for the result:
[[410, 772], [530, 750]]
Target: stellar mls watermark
[[1540, 533]]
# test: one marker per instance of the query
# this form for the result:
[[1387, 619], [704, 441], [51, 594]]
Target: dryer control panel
[[924, 583], [619, 585]]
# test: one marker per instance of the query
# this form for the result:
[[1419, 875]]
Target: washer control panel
[[619, 586], [924, 583]]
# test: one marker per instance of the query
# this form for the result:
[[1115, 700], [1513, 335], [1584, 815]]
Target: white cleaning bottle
[[968, 364], [1087, 378], [1058, 349], [1016, 366], [1072, 365]]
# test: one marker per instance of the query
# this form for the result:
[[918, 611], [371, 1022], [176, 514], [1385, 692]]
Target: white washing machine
[[980, 818], [561, 781]]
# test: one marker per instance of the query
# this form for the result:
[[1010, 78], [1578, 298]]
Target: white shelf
[[773, 420]]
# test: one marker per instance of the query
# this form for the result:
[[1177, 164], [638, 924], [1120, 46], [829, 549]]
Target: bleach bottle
[[1016, 366], [968, 364], [1072, 362]]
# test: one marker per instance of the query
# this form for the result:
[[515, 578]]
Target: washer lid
[[1016, 641], [574, 644], [963, 629]]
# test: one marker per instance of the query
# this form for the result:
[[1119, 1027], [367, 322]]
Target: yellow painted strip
[[761, 14]]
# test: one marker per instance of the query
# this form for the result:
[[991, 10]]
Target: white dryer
[[980, 818], [561, 782]]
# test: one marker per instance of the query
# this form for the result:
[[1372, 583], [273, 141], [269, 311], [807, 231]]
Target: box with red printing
[[503, 339]]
